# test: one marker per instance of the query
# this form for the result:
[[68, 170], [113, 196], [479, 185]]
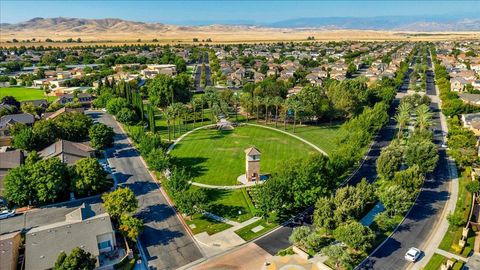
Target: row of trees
[[72, 126], [40, 181]]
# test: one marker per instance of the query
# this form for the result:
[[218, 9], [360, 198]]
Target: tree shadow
[[155, 213], [121, 177], [193, 164], [140, 187]]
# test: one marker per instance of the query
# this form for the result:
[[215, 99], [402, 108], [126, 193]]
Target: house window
[[104, 245]]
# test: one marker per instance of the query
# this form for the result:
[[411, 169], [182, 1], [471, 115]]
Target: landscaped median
[[256, 229]]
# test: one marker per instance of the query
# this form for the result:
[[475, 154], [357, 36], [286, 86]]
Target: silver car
[[7, 213]]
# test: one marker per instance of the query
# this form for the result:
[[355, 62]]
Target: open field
[[224, 35], [22, 93], [218, 158]]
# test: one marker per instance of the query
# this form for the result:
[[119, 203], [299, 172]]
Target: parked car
[[413, 254], [7, 213]]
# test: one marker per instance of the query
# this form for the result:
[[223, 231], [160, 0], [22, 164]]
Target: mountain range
[[395, 23]]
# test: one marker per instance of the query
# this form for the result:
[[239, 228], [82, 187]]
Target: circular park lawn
[[217, 157]]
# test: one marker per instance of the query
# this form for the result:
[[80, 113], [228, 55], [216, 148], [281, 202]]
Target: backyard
[[23, 93]]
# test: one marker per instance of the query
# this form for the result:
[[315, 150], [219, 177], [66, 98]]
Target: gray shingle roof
[[24, 118], [80, 229]]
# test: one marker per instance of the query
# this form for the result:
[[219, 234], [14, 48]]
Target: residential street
[[197, 75], [426, 212], [166, 243]]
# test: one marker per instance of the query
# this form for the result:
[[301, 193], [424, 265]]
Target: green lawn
[[247, 234], [233, 204], [217, 157], [22, 93], [205, 224], [323, 135], [435, 262], [463, 205]]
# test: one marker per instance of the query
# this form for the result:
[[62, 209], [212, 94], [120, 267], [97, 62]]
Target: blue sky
[[227, 11]]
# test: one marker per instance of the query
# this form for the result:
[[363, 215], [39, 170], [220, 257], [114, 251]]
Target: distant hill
[[112, 29], [392, 23]]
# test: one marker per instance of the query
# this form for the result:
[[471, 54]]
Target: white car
[[413, 254], [7, 213]]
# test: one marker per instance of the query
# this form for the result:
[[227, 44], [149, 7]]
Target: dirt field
[[253, 35]]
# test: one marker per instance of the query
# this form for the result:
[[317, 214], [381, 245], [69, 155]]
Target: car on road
[[413, 254], [7, 213]]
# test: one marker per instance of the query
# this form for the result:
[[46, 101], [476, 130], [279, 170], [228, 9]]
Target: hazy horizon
[[234, 12]]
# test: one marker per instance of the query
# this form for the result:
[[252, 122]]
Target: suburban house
[[472, 122], [82, 228], [9, 246], [152, 70], [473, 99], [55, 114], [7, 121], [37, 103], [65, 98], [458, 84], [9, 160], [67, 151], [85, 99]]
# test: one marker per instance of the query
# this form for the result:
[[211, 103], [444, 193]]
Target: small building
[[252, 158], [81, 228], [55, 114], [67, 151], [9, 246], [472, 122], [65, 98]]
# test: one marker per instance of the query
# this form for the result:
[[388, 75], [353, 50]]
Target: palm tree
[[267, 102], [211, 96], [169, 115], [403, 117], [257, 102], [424, 117], [286, 107], [235, 101], [194, 103], [277, 101], [202, 102], [296, 106]]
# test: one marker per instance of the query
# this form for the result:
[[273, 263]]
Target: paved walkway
[[291, 135], [450, 255], [223, 187], [224, 240]]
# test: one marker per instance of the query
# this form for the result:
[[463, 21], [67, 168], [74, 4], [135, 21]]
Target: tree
[[49, 179], [395, 199], [130, 227], [126, 116], [422, 153], [120, 201], [340, 256], [191, 201], [473, 187], [169, 116], [410, 179], [402, 117], [78, 259], [115, 105], [277, 102], [158, 160], [424, 117], [45, 133], [323, 216], [389, 161], [19, 188], [73, 126], [89, 177], [299, 236], [178, 181], [101, 136], [355, 235], [24, 139], [296, 106]]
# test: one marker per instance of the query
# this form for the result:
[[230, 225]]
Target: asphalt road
[[197, 76], [165, 242], [426, 211]]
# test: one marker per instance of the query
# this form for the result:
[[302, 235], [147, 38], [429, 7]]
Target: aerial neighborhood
[[227, 151]]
